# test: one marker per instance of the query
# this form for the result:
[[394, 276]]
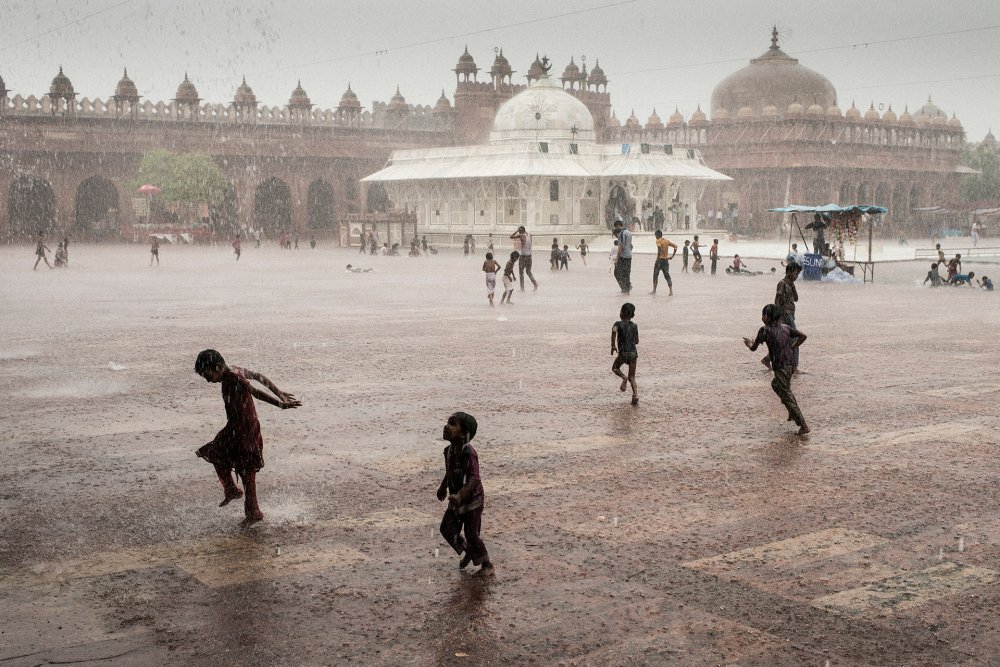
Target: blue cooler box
[[812, 267]]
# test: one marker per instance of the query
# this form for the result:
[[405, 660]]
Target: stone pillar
[[6, 178], [299, 188], [64, 189]]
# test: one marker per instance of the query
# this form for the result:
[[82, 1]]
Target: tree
[[188, 178], [984, 186]]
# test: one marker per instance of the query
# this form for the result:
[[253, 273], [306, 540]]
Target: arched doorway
[[619, 206], [97, 207], [816, 193], [864, 195], [320, 204], [846, 196], [272, 206], [31, 207], [223, 216], [378, 198]]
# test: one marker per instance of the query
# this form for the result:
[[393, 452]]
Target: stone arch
[[816, 192], [319, 200], [900, 200], [378, 198], [97, 207], [619, 205], [846, 194], [881, 197], [223, 215], [272, 206], [915, 195], [864, 195], [31, 207]]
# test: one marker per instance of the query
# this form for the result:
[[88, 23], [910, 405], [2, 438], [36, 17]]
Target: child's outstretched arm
[[259, 377]]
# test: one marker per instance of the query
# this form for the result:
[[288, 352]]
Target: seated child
[[986, 283], [933, 276]]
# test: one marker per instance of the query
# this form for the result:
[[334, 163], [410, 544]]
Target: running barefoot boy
[[239, 446], [782, 342], [508, 278], [463, 488], [490, 268], [624, 338]]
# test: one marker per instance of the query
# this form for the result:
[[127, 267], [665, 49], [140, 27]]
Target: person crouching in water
[[463, 488], [239, 446], [782, 342]]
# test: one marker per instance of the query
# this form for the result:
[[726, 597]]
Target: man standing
[[663, 257], [524, 261], [623, 265], [785, 296], [713, 254]]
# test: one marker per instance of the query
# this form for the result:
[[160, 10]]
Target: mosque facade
[[775, 127]]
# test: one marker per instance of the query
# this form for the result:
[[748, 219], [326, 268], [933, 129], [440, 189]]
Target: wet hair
[[627, 311], [616, 241], [521, 229], [658, 234], [687, 243], [208, 359], [565, 247], [938, 246], [972, 274], [468, 424], [771, 313], [934, 265], [795, 245], [793, 267], [348, 266], [489, 255], [515, 254], [619, 223], [715, 240]]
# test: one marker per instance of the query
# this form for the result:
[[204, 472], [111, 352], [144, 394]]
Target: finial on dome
[[774, 36]]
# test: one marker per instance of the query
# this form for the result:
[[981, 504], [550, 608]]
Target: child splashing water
[[239, 446], [782, 342], [463, 488], [624, 339]]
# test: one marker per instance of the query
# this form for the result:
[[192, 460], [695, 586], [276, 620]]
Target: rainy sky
[[657, 54]]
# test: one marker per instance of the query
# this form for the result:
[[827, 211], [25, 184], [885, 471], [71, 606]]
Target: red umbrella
[[148, 189]]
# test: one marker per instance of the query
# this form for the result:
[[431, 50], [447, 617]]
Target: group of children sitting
[[955, 277]]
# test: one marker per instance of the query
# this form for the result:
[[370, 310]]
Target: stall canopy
[[829, 208]]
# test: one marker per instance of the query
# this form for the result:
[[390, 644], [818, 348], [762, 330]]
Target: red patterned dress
[[239, 445]]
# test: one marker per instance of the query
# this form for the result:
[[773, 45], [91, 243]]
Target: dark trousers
[[623, 273], [524, 266], [452, 526], [782, 386], [662, 266], [715, 261]]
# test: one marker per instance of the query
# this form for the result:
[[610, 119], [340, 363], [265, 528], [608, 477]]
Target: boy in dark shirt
[[782, 342], [624, 339], [463, 488]]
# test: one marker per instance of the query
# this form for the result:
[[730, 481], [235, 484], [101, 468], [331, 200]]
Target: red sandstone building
[[775, 127]]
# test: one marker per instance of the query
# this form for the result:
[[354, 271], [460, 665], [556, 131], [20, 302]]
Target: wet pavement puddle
[[911, 589], [823, 544]]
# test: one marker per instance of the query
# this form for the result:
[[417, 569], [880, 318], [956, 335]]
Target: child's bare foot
[[466, 559], [803, 429], [670, 293], [487, 570], [235, 494], [624, 385], [253, 518], [766, 361], [635, 400]]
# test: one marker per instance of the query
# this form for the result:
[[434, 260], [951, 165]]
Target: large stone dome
[[543, 112], [773, 79]]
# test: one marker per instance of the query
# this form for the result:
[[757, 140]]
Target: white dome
[[543, 112]]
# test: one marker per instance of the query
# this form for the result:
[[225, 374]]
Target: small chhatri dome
[[922, 120], [572, 72], [349, 100], [675, 118], [398, 102], [186, 92], [889, 116], [772, 78], [770, 111], [938, 121], [853, 113], [654, 122], [443, 104], [931, 110], [955, 122], [466, 63], [905, 118], [244, 95], [537, 70], [989, 139], [597, 75], [720, 114], [834, 112], [815, 109], [745, 113], [501, 66], [613, 121], [632, 122], [126, 90], [871, 115], [299, 99], [795, 109], [698, 118], [61, 86]]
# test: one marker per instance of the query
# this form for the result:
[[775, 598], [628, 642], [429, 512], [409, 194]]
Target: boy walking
[[239, 446], [624, 339], [463, 487], [684, 256], [663, 257], [713, 254], [508, 278], [782, 343], [490, 268]]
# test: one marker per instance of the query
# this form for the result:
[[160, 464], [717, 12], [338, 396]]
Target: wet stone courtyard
[[693, 529]]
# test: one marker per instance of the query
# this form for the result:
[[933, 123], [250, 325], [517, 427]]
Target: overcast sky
[[656, 53]]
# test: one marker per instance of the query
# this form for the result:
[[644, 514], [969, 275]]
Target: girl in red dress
[[239, 446]]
